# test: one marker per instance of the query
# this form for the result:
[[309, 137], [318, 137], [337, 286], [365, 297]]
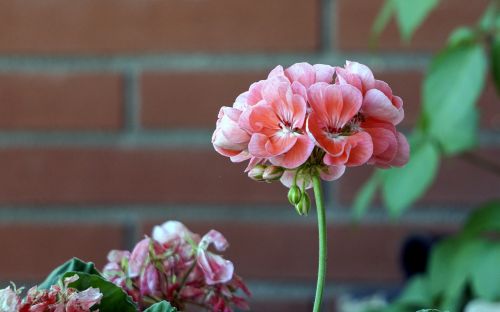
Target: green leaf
[[462, 36], [383, 17], [73, 265], [402, 186], [417, 293], [484, 219], [451, 88], [114, 298], [365, 196], [486, 274], [495, 61], [451, 265], [410, 14], [162, 306]]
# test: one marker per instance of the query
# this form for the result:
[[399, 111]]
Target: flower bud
[[294, 195], [256, 172], [273, 173], [304, 205]]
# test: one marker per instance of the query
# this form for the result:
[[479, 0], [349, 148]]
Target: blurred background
[[106, 114]]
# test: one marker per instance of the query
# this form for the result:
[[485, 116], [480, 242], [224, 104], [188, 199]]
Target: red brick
[[356, 17], [32, 251], [58, 26], [190, 99], [111, 176], [61, 101], [263, 250], [458, 182]]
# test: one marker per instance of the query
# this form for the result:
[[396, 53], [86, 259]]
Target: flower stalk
[[320, 210]]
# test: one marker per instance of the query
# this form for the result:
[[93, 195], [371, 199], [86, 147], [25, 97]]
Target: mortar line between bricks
[[131, 103], [430, 215], [326, 25], [168, 138], [329, 27], [206, 62]]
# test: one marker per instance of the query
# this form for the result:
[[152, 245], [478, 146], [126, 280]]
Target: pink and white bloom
[[277, 126], [333, 125], [215, 268]]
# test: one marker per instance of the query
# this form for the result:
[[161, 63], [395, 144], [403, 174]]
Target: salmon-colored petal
[[384, 87], [297, 155], [397, 102], [338, 160], [276, 72], [257, 145], [346, 77], [403, 153], [298, 88], [385, 145], [361, 149], [262, 116], [316, 97], [351, 103], [377, 105], [364, 73], [315, 127], [324, 73], [330, 173], [298, 115], [334, 104], [301, 72], [254, 95], [280, 143]]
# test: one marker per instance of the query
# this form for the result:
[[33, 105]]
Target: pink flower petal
[[377, 105], [297, 155]]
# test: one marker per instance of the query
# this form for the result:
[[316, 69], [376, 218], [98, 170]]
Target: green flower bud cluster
[[299, 199], [265, 173]]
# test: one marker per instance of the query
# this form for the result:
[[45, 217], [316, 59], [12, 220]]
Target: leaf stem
[[320, 209]]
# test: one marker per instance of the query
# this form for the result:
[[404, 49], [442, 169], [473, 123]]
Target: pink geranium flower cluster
[[57, 299], [313, 117], [176, 265]]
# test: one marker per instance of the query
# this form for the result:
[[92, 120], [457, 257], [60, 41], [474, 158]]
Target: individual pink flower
[[333, 125], [277, 126], [215, 268], [229, 139], [378, 101]]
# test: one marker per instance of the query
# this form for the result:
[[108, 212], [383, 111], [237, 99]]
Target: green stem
[[320, 209]]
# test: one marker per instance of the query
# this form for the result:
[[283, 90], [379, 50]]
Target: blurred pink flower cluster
[[319, 115], [176, 265], [57, 299]]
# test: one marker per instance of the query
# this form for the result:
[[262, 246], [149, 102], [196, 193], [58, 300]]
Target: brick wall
[[106, 114]]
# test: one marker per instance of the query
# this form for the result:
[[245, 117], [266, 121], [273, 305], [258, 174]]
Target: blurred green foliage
[[461, 267], [448, 122]]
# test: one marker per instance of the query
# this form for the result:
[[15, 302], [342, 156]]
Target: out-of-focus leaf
[[484, 219], [451, 265], [462, 36], [402, 186], [410, 14], [495, 61], [113, 299], [73, 265], [416, 294], [451, 89], [365, 196], [486, 274], [162, 306], [383, 17], [488, 19], [463, 135]]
